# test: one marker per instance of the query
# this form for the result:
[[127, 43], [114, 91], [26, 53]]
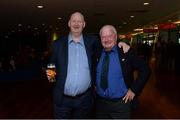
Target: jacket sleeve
[[53, 52], [143, 71]]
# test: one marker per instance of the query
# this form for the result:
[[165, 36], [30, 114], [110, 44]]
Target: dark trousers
[[112, 109], [75, 107]]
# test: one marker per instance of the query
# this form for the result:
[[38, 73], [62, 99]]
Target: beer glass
[[51, 69]]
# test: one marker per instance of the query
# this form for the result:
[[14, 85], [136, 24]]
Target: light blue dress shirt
[[78, 75]]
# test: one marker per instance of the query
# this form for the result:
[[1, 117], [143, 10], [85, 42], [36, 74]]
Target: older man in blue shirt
[[116, 88]]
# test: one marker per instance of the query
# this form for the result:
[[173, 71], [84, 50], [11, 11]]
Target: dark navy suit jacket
[[60, 58], [130, 63]]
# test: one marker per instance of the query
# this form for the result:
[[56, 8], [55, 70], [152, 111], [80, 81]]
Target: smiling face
[[76, 23], [108, 36]]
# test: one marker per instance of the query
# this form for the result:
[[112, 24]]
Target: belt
[[110, 99], [79, 95]]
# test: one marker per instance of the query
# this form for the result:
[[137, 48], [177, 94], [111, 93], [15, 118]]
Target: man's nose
[[76, 22], [105, 39]]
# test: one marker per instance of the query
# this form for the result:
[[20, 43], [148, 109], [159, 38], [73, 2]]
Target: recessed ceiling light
[[19, 25], [59, 18], [145, 3], [40, 6], [124, 23], [138, 29], [120, 26], [169, 20]]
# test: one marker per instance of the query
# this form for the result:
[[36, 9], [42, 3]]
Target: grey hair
[[108, 26]]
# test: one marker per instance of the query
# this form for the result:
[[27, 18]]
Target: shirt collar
[[114, 49], [70, 40]]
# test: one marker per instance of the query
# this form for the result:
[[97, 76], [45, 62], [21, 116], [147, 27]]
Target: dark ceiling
[[96, 12]]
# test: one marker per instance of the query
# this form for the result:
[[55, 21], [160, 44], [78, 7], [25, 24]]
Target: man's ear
[[68, 23], [84, 24]]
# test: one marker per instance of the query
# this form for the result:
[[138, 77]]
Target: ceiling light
[[138, 29], [146, 3], [177, 22], [40, 6], [132, 16], [120, 26], [59, 18], [169, 20], [155, 27], [19, 25], [124, 23]]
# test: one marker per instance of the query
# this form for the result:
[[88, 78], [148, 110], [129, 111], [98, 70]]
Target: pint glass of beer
[[51, 70]]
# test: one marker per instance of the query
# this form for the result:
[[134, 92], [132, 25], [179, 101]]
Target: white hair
[[110, 27]]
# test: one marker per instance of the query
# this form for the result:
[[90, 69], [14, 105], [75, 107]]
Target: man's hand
[[124, 46], [129, 96], [50, 74]]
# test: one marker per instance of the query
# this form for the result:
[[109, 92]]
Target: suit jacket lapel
[[87, 47], [122, 59], [63, 56]]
